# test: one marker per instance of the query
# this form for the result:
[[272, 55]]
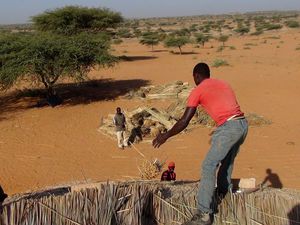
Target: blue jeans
[[225, 145]]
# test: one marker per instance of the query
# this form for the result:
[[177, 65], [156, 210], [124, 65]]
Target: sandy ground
[[48, 146]]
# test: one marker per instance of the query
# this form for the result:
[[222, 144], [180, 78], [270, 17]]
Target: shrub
[[242, 30], [124, 33], [220, 62], [273, 26], [292, 24], [117, 41]]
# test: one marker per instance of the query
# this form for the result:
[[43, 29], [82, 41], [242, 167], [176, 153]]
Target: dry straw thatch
[[145, 203]]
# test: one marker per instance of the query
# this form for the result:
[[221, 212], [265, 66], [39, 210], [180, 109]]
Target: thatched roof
[[148, 202]]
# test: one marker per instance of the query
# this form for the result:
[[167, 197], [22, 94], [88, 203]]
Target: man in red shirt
[[169, 174], [219, 101]]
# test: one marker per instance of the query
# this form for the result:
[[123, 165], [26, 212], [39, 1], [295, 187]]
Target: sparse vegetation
[[220, 48], [124, 33], [292, 24], [242, 30], [220, 62], [117, 41]]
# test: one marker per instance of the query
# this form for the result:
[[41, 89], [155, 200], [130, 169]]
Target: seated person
[[136, 134], [169, 174]]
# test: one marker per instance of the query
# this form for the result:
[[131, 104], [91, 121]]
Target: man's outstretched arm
[[177, 128]]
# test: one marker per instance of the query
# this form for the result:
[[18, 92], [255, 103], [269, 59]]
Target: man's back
[[119, 121], [217, 98]]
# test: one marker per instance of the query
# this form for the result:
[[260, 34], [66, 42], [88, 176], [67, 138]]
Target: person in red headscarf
[[169, 174]]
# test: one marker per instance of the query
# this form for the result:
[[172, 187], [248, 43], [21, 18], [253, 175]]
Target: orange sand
[[48, 146]]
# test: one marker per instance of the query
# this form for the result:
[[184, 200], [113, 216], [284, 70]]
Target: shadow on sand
[[272, 180], [135, 58], [71, 93], [185, 53]]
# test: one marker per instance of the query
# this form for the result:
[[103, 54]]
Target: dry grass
[[145, 203], [150, 169]]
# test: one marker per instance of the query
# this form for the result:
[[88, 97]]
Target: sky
[[20, 11]]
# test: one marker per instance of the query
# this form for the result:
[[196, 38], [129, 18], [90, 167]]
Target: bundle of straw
[[150, 169]]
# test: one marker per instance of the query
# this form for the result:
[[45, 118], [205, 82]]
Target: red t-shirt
[[217, 98]]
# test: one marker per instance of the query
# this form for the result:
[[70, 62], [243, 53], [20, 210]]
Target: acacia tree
[[242, 30], [176, 41], [223, 38], [150, 39], [202, 39], [71, 20], [47, 58]]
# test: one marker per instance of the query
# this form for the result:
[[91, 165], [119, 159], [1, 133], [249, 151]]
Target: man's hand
[[179, 126], [159, 140]]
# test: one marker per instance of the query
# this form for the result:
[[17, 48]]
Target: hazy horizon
[[14, 12]]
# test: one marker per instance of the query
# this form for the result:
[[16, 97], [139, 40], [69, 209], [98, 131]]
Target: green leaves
[[176, 41], [223, 38], [72, 20], [46, 58], [202, 38], [150, 38]]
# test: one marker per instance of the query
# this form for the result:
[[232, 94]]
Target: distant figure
[[169, 174], [273, 179], [120, 122]]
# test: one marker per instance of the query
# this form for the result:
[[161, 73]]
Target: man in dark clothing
[[169, 175], [219, 101], [120, 122]]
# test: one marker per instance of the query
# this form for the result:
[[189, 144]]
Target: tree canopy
[[71, 20], [150, 39], [46, 58], [202, 38], [223, 38], [176, 41]]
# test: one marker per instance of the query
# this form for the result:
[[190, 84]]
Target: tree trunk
[[152, 47], [180, 50]]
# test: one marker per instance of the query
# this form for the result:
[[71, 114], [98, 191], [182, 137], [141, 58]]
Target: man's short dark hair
[[202, 69]]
